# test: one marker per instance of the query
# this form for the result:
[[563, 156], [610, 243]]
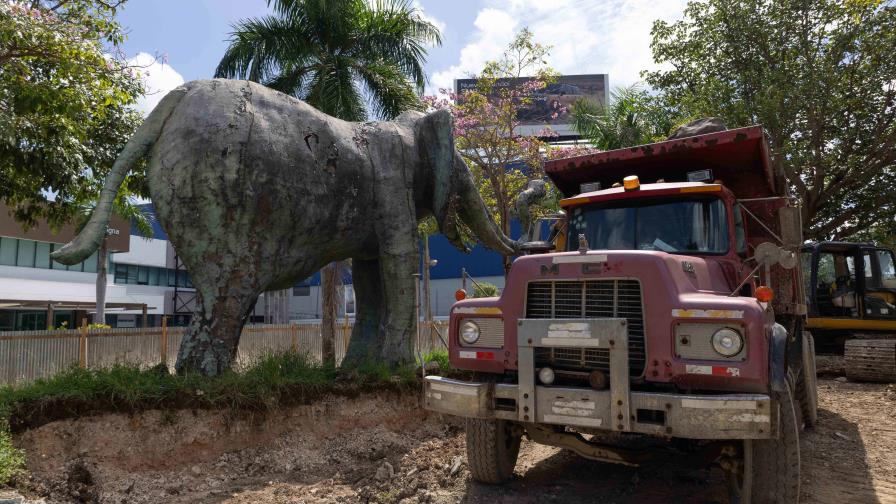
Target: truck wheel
[[771, 467], [492, 449], [807, 384]]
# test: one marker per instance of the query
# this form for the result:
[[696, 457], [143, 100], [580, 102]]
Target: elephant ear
[[435, 136]]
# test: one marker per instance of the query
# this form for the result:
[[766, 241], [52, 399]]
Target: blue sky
[[596, 36]]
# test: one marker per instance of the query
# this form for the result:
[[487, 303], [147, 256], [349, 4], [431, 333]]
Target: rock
[[840, 379], [698, 127], [196, 470], [841, 435], [455, 466], [413, 471], [385, 472]]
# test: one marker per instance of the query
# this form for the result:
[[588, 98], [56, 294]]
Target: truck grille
[[588, 299]]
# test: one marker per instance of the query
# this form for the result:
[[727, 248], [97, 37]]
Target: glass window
[[887, 269], [89, 264], [132, 274], [8, 251], [42, 255], [142, 275], [682, 226], [826, 272], [25, 256], [7, 319], [740, 235], [121, 273], [153, 276]]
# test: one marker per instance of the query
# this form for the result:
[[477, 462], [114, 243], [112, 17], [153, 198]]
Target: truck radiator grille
[[588, 299]]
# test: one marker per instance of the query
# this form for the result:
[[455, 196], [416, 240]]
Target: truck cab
[[668, 306]]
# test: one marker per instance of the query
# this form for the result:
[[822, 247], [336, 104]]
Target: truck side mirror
[[791, 226]]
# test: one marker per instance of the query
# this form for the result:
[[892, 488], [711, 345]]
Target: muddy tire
[[492, 449], [807, 385], [771, 467]]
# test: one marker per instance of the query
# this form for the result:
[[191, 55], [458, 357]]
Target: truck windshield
[[694, 225]]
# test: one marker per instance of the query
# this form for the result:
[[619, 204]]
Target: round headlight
[[727, 342], [546, 375], [469, 332]]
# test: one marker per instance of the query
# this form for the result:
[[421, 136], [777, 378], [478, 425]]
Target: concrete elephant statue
[[258, 190]]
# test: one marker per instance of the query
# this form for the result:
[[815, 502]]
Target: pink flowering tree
[[487, 127]]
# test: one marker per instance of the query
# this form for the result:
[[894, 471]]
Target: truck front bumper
[[717, 416]]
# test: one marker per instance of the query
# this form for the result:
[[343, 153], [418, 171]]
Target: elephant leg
[[399, 262], [365, 345], [210, 343]]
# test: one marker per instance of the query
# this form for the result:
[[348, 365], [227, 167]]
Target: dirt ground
[[385, 449]]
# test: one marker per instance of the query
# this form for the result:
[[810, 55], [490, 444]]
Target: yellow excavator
[[851, 291]]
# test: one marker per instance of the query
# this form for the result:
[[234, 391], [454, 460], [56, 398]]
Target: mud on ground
[[385, 449]]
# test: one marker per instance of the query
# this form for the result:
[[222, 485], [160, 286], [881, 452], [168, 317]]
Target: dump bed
[[738, 158]]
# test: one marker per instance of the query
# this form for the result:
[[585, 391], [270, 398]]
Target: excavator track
[[870, 360]]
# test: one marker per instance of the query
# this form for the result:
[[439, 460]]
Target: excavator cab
[[851, 298]]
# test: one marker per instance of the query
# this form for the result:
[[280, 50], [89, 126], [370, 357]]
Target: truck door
[[879, 284], [835, 284]]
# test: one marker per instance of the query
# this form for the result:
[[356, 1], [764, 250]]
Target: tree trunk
[[329, 305], [101, 266]]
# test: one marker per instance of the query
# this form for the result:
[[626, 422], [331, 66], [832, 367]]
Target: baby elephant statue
[[258, 190]]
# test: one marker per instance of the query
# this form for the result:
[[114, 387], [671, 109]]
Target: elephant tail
[[91, 236]]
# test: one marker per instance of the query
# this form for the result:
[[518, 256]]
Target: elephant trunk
[[475, 214]]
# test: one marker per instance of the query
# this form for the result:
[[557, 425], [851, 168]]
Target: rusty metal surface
[[738, 157], [456, 397], [690, 416], [608, 334]]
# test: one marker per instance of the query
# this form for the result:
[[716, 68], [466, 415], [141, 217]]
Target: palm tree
[[344, 57], [633, 117], [351, 59]]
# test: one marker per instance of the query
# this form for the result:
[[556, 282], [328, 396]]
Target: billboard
[[551, 106]]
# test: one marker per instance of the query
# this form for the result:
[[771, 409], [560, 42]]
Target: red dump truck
[[667, 305]]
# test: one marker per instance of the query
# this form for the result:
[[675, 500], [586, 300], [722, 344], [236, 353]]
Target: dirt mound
[[385, 449]]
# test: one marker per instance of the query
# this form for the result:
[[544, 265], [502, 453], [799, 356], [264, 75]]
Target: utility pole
[[427, 302]]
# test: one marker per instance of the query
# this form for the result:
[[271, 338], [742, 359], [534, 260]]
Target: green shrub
[[484, 289], [440, 357], [12, 460]]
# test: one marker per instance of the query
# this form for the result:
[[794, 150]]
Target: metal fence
[[27, 355]]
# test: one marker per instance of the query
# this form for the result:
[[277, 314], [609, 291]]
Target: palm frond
[[389, 90]]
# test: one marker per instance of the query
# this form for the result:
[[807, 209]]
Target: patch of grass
[[440, 357], [272, 381], [12, 460]]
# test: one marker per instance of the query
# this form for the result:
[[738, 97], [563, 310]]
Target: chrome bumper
[[729, 416]]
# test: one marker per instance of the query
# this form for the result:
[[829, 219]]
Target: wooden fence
[[26, 355]]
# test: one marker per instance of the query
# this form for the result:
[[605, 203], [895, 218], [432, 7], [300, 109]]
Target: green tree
[[348, 58], [633, 117], [820, 76], [65, 96], [486, 127]]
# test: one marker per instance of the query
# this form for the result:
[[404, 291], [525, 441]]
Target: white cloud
[[158, 78], [610, 36], [426, 17]]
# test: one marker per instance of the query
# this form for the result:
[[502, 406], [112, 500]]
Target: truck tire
[[492, 449], [771, 467], [807, 384]]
